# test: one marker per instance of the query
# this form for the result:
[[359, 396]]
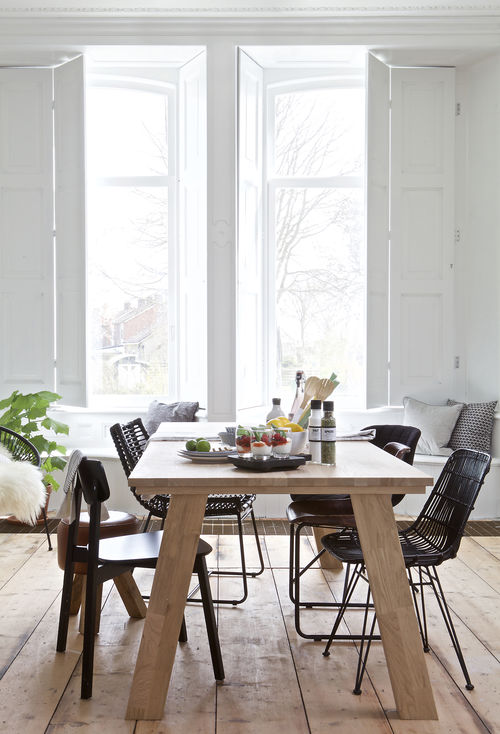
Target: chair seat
[[143, 549], [228, 504], [416, 550], [335, 512], [118, 523]]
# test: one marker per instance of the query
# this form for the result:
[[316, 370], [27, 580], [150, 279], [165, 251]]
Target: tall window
[[316, 233], [131, 201]]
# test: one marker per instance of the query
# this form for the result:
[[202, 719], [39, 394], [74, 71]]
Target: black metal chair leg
[[441, 599], [208, 610], [259, 548], [44, 515], [183, 635], [146, 524], [365, 640]]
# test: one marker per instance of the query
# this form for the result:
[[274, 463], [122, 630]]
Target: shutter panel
[[69, 123], [192, 347], [377, 218], [252, 378], [422, 226], [26, 231]]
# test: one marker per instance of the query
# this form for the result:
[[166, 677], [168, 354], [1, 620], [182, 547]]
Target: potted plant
[[27, 415]]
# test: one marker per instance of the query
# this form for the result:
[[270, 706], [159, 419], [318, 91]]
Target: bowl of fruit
[[297, 433]]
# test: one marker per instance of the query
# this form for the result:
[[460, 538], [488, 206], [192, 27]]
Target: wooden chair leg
[[130, 594], [76, 593], [326, 559], [81, 626]]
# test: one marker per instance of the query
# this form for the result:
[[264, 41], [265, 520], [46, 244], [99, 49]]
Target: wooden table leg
[[326, 560], [166, 606], [394, 606]]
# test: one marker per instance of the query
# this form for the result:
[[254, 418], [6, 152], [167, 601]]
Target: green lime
[[191, 445], [202, 445]]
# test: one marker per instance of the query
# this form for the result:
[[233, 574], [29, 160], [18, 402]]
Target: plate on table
[[206, 457], [270, 464]]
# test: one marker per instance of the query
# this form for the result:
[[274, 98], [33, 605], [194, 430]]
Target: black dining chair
[[115, 558], [130, 440], [433, 538], [313, 514], [23, 450]]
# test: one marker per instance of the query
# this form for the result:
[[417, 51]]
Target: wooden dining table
[[362, 470]]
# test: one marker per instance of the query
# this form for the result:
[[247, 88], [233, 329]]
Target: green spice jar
[[328, 434]]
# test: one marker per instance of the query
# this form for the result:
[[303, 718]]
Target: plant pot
[[39, 521]]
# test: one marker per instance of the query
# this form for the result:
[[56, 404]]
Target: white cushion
[[436, 422]]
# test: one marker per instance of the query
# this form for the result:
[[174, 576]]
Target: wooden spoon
[[310, 389], [325, 388]]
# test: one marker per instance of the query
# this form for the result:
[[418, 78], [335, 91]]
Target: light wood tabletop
[[368, 474]]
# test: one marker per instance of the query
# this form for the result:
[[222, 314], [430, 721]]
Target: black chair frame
[[23, 450], [433, 538], [91, 482], [399, 450], [130, 440]]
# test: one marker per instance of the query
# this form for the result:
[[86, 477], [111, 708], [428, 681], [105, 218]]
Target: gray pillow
[[474, 426], [160, 412], [436, 423]]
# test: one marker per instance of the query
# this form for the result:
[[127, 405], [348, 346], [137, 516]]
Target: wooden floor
[[275, 681]]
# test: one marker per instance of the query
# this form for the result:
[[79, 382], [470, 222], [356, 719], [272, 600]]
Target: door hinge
[[457, 363], [458, 109], [457, 235]]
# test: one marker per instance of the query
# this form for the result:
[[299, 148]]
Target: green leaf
[[49, 479], [50, 396], [7, 401], [55, 426], [40, 443], [59, 462], [61, 449], [30, 427]]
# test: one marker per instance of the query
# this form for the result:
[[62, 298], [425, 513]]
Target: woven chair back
[[20, 448], [440, 526]]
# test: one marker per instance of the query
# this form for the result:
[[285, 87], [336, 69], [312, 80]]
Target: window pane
[[319, 132], [128, 268], [127, 130], [320, 286]]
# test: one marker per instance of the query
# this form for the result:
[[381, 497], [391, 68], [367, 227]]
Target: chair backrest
[[19, 446], [385, 433], [93, 481], [399, 450], [441, 523], [130, 440]]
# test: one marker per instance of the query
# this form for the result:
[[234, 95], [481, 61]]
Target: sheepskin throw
[[22, 492]]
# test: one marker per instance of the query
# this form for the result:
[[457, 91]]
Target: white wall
[[478, 218]]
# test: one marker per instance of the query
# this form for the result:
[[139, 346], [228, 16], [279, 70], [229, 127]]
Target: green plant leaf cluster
[[27, 415]]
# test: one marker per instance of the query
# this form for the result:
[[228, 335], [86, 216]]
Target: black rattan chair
[[23, 450], [114, 558], [433, 538], [130, 440]]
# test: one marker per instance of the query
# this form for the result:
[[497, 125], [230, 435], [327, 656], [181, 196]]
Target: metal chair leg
[[44, 515], [208, 610]]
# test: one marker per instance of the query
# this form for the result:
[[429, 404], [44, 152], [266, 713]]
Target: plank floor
[[275, 680]]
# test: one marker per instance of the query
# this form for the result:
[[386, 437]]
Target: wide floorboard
[[275, 680]]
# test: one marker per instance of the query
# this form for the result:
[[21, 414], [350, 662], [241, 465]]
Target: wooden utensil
[[325, 388], [310, 388]]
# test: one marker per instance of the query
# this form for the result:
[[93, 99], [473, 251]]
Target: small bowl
[[227, 438], [299, 439]]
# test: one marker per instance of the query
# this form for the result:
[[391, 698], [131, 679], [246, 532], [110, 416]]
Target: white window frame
[[296, 82]]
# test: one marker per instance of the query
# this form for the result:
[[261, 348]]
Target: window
[[316, 233], [131, 234]]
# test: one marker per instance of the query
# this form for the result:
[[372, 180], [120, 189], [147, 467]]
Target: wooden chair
[[130, 440], [433, 538], [23, 450], [333, 511], [115, 558]]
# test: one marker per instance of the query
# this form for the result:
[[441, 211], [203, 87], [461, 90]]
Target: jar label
[[328, 434], [314, 433]]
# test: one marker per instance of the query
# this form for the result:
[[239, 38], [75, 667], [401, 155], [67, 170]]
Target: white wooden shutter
[[422, 228], [192, 346], [26, 231], [377, 219], [250, 318], [69, 120]]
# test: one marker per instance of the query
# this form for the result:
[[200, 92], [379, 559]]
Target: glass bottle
[[275, 411], [299, 393], [328, 434], [314, 432]]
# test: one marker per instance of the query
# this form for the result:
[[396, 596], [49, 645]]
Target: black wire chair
[[130, 440], [335, 511], [23, 450], [433, 538]]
